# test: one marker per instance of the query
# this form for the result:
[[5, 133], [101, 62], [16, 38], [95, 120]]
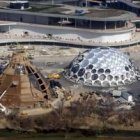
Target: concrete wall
[[26, 18]]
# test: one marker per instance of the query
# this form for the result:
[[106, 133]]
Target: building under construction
[[22, 86]]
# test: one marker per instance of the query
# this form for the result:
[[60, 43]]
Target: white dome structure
[[101, 67]]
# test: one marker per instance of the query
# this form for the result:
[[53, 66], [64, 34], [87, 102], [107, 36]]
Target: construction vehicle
[[54, 76], [2, 107], [68, 98]]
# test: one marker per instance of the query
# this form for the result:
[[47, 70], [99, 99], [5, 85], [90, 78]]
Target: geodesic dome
[[101, 67]]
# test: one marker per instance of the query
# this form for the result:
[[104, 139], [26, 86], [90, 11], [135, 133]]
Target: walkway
[[61, 41], [27, 36]]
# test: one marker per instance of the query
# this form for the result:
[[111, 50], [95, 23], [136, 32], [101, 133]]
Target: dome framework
[[101, 67]]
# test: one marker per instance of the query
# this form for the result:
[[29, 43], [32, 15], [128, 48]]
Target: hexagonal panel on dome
[[81, 72], [75, 68], [101, 67], [90, 66]]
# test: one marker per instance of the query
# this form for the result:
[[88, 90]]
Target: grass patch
[[54, 9], [39, 8]]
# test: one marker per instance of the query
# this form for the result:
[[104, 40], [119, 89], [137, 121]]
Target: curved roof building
[[19, 4], [101, 68]]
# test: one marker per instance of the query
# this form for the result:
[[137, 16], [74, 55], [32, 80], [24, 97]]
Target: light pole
[[52, 2], [86, 3]]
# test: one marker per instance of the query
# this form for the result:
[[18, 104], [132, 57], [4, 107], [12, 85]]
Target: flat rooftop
[[132, 4], [92, 13], [105, 13], [68, 11]]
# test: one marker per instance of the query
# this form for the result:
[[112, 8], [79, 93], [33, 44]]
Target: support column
[[52, 2], [115, 25], [9, 28], [86, 3], [105, 25], [75, 22], [61, 20], [90, 24], [125, 23]]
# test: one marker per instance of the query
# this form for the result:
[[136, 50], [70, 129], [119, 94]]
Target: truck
[[54, 76]]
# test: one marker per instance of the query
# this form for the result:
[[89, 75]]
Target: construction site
[[32, 82], [39, 88], [23, 89]]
